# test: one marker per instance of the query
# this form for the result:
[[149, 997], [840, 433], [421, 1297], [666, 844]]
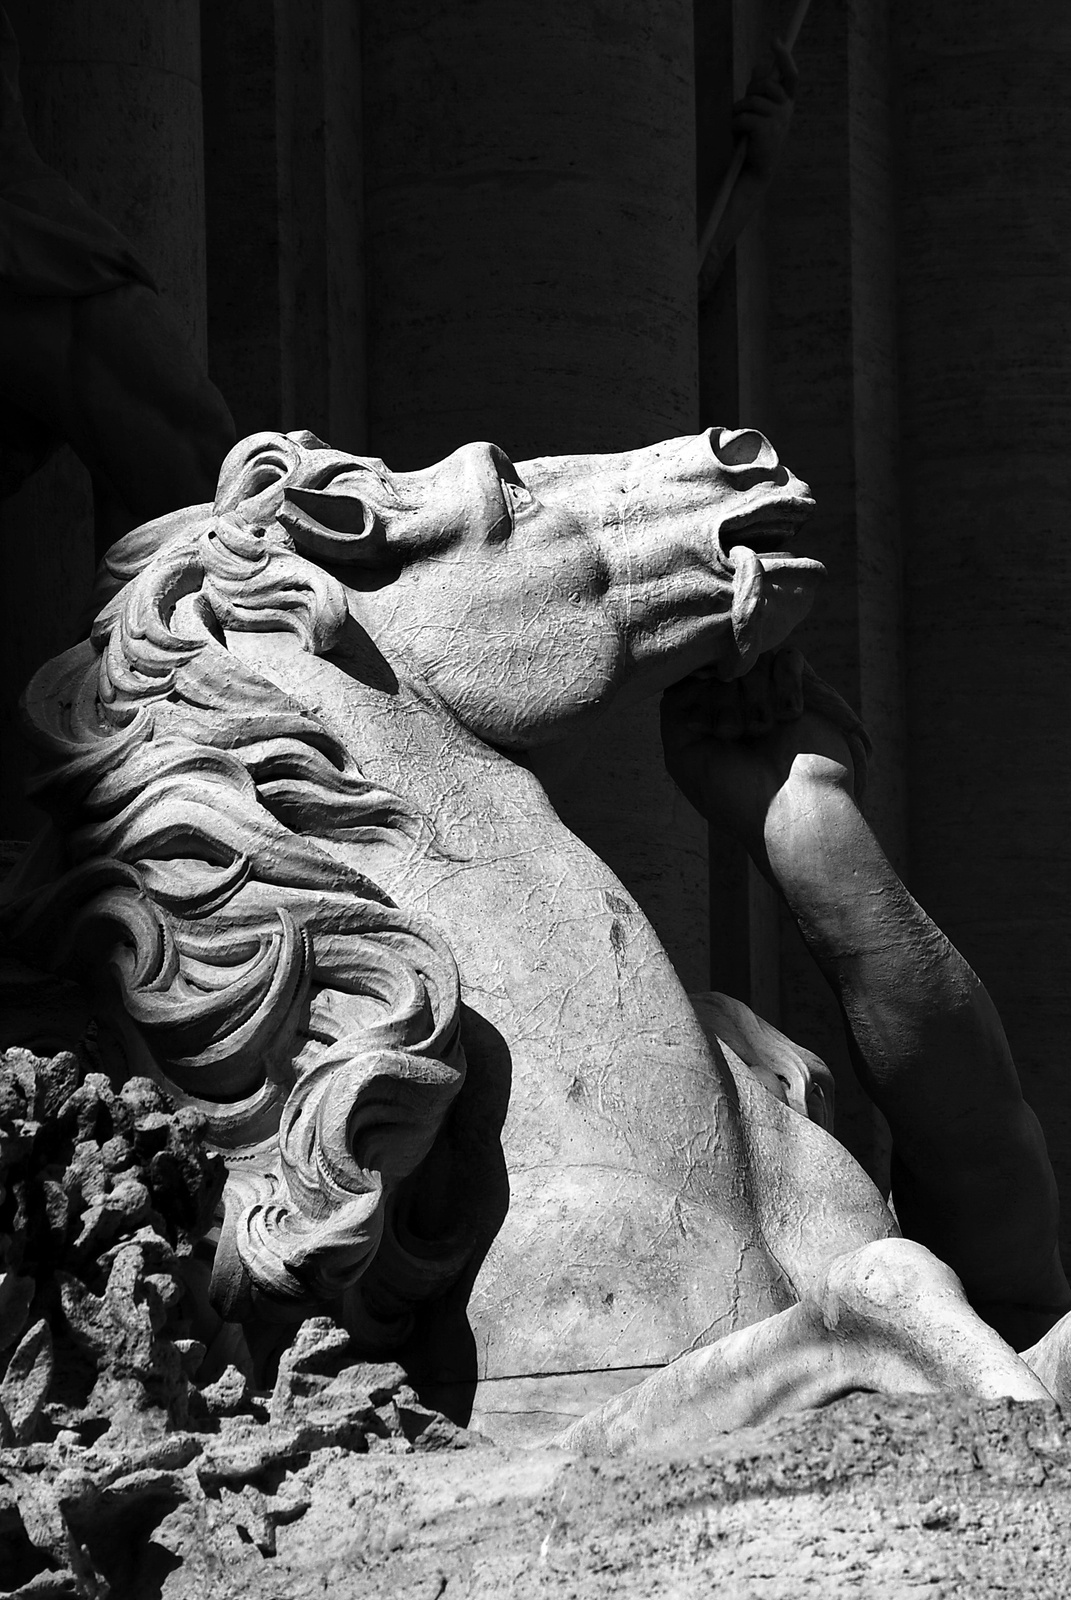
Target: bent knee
[[886, 1276]]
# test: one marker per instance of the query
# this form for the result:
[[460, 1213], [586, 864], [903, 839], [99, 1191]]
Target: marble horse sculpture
[[299, 857]]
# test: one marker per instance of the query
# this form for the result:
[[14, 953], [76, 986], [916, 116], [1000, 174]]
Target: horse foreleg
[[889, 1317], [785, 1363]]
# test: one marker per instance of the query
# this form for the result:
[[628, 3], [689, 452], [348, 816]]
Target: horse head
[[219, 804], [531, 596]]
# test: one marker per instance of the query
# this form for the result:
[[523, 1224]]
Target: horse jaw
[[530, 599]]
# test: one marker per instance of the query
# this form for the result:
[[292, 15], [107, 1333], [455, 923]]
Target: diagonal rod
[[706, 238]]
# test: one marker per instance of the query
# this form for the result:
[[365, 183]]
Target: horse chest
[[629, 1232]]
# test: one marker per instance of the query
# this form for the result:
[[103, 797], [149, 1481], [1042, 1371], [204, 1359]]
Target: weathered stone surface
[[533, 211], [870, 1497], [404, 771], [90, 1519], [102, 1194], [311, 867], [108, 1450]]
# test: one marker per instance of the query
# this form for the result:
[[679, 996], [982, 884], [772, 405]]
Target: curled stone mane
[[256, 972]]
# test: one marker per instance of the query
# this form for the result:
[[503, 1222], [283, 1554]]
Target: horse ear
[[336, 527]]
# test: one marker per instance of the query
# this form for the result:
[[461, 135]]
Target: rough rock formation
[[115, 1458], [105, 1194], [134, 1469]]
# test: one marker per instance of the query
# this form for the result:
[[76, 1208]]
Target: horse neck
[[485, 855]]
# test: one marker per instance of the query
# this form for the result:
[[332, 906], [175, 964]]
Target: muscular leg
[[972, 1179], [971, 1176], [888, 1317]]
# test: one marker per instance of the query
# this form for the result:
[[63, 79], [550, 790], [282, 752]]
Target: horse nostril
[[743, 447]]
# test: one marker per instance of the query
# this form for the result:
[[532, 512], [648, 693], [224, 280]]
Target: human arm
[[971, 1177], [760, 123]]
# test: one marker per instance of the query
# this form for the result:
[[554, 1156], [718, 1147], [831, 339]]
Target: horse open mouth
[[772, 588], [766, 529]]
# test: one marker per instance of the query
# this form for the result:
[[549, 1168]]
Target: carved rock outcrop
[[110, 1451], [105, 1192]]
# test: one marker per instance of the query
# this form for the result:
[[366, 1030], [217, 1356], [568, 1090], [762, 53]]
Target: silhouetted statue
[[90, 354]]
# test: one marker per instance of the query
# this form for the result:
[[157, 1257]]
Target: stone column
[[800, 335], [284, 176], [985, 305], [531, 273], [113, 101], [735, 386]]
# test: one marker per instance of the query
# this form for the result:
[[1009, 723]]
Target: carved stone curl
[[259, 978], [299, 753]]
